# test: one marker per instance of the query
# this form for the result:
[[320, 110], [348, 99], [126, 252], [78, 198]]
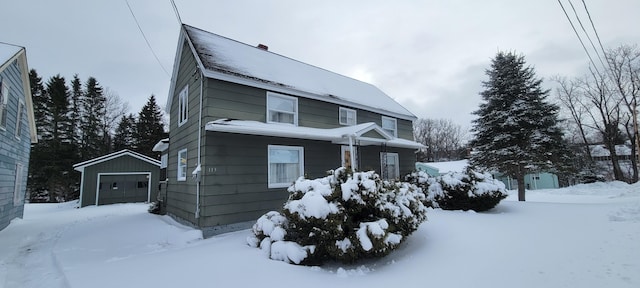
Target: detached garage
[[120, 177]]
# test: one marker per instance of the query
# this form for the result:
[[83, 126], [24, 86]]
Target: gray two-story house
[[246, 123], [17, 131]]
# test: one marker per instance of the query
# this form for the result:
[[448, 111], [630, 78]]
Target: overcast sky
[[429, 55]]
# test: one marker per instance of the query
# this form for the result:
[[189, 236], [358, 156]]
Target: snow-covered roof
[[335, 135], [7, 51], [80, 166], [161, 146], [449, 166], [226, 59]]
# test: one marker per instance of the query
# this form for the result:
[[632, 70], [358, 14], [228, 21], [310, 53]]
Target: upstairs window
[[282, 109], [4, 99], [347, 116], [390, 125], [182, 165], [183, 106]]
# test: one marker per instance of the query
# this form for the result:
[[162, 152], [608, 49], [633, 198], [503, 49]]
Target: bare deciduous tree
[[443, 138]]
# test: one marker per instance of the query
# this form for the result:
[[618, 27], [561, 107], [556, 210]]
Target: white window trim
[[180, 167], [4, 91], [383, 171], [281, 96], [18, 196], [183, 105], [301, 164], [395, 125], [19, 115], [347, 111]]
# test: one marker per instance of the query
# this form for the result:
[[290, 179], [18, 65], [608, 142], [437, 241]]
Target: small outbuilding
[[119, 177]]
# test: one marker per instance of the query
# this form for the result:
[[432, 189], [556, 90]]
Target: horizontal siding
[[236, 177], [181, 200], [13, 150]]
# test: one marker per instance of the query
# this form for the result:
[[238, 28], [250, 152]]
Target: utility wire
[[145, 38], [579, 38], [596, 32], [587, 34], [175, 9]]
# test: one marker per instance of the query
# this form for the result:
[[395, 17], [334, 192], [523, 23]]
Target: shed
[[120, 177]]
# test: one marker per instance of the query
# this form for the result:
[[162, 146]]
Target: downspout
[[199, 173]]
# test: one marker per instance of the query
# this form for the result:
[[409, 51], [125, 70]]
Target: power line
[[579, 38], [587, 34], [596, 32], [175, 9], [145, 38]]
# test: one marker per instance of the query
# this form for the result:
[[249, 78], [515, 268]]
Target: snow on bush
[[345, 217], [470, 190]]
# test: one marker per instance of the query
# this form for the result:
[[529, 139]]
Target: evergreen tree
[[125, 134], [37, 180], [149, 128], [92, 129], [75, 115], [58, 150], [517, 130]]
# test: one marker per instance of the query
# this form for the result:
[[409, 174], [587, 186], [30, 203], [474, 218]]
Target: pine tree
[[125, 134], [57, 151], [75, 112], [517, 130], [149, 128], [92, 129], [37, 180]]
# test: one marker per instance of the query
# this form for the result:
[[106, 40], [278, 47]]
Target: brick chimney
[[263, 47]]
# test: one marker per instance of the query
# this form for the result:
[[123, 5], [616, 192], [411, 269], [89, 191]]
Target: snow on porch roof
[[229, 59], [335, 135]]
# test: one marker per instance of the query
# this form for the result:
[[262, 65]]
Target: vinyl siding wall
[[13, 150]]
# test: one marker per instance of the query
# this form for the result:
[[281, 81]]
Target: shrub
[[470, 190], [345, 217]]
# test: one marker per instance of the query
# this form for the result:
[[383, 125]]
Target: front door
[[346, 157]]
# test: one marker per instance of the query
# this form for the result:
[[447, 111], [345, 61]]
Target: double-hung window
[[347, 116], [390, 165], [390, 125], [183, 106], [182, 165], [286, 164], [4, 99], [282, 109]]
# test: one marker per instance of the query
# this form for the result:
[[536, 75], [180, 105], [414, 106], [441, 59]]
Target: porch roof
[[338, 135]]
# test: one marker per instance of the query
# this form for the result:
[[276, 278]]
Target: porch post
[[352, 153]]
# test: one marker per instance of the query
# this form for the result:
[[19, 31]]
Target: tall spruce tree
[[149, 128], [517, 130], [92, 127], [75, 112], [58, 151], [37, 180], [125, 134]]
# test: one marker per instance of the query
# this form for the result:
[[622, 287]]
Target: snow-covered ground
[[581, 236]]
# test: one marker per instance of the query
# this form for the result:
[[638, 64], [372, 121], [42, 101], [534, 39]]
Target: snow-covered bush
[[470, 190], [345, 217]]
